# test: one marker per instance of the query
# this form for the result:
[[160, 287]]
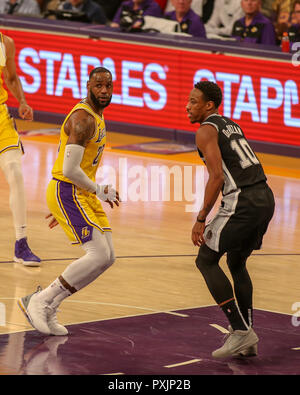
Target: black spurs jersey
[[241, 167]]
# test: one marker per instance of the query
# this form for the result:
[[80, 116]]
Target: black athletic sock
[[233, 314]]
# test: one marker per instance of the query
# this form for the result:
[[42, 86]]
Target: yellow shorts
[[9, 137], [76, 210]]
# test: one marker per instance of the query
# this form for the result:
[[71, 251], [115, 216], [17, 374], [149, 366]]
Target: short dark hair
[[211, 91], [99, 70]]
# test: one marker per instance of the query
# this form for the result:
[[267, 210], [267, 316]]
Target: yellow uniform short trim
[[77, 211], [9, 137]]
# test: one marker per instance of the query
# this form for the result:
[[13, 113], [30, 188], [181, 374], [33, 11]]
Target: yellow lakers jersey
[[93, 151], [3, 92]]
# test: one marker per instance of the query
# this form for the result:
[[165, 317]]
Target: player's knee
[[13, 172], [104, 259], [202, 259], [206, 257], [109, 262]]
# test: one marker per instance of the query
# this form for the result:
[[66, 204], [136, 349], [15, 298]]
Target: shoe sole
[[27, 263], [24, 311]]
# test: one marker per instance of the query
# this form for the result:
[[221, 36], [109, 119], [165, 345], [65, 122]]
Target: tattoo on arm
[[80, 130]]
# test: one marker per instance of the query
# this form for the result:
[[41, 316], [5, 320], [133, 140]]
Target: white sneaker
[[56, 329], [35, 311], [236, 342], [251, 351]]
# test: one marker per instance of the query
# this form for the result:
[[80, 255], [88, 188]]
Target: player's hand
[[26, 112], [108, 195], [53, 221], [197, 234]]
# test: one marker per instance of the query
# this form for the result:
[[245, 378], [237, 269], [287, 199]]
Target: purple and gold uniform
[[77, 210], [9, 137]]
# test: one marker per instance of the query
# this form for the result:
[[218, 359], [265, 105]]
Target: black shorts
[[242, 220]]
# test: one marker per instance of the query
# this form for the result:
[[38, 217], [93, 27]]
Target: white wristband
[[106, 192]]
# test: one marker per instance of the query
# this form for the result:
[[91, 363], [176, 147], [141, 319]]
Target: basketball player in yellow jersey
[[11, 149], [73, 199]]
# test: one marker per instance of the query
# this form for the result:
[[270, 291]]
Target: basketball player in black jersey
[[238, 227]]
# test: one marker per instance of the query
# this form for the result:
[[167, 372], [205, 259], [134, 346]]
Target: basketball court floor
[[150, 313]]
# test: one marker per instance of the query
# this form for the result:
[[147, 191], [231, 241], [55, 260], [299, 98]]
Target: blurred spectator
[[162, 4], [254, 27], [196, 6], [203, 8], [281, 15], [272, 8], [138, 7], [294, 30], [267, 8], [94, 12], [282, 6], [190, 22], [110, 7], [225, 13], [23, 7]]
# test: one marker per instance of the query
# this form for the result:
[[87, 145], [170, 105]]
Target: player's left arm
[[12, 80], [80, 128], [207, 142]]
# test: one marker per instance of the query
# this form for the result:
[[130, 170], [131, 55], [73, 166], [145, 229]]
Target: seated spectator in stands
[[196, 6], [140, 8], [203, 8], [281, 11], [22, 7], [294, 30], [110, 7], [225, 13], [254, 27], [93, 11], [190, 22]]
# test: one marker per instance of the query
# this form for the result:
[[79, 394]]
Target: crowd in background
[[248, 21]]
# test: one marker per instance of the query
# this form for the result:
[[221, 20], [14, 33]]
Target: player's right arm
[[80, 128]]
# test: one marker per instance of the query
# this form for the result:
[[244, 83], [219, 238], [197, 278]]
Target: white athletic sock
[[21, 232], [59, 298], [54, 290]]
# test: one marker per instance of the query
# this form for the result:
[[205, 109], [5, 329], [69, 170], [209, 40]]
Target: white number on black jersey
[[245, 153]]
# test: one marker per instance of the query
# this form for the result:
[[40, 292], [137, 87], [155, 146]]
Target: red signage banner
[[152, 84]]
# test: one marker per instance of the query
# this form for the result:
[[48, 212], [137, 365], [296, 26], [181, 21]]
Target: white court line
[[296, 348], [220, 328], [112, 374], [129, 306], [183, 363]]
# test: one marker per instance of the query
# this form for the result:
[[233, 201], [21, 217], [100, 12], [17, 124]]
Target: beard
[[97, 104]]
